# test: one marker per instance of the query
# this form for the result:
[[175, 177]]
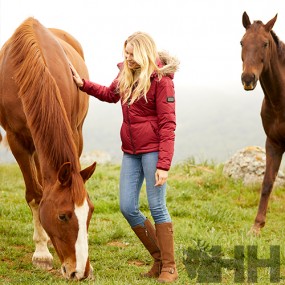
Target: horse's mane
[[42, 101], [280, 46]]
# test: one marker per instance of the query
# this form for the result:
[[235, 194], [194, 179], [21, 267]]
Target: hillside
[[212, 215]]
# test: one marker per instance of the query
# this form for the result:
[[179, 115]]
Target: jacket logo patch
[[170, 99]]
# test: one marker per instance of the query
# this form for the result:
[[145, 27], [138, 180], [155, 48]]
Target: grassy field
[[211, 214]]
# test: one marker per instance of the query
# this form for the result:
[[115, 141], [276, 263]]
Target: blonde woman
[[144, 86]]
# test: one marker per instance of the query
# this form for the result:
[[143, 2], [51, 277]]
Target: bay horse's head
[[256, 50], [65, 213]]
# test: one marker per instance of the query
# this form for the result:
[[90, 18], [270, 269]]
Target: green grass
[[207, 209]]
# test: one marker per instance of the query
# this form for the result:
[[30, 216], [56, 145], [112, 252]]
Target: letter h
[[273, 263]]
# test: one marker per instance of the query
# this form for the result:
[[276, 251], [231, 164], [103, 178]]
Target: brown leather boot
[[164, 234], [148, 238]]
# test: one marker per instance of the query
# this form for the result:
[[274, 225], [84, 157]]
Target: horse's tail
[[41, 98]]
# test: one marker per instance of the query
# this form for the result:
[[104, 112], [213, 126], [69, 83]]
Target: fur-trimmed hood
[[168, 63]]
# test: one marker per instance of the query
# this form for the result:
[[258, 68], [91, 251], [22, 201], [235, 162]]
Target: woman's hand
[[160, 177], [77, 79]]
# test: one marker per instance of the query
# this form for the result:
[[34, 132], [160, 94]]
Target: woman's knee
[[160, 215], [127, 210]]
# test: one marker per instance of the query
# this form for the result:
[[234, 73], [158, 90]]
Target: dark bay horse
[[263, 56], [42, 112]]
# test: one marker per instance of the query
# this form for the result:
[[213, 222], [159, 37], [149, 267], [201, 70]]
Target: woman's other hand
[[160, 177]]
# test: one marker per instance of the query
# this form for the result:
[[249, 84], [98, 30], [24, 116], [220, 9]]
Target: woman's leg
[[130, 185], [156, 195], [131, 179], [164, 228]]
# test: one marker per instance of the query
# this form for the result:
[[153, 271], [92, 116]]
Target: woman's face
[[129, 56]]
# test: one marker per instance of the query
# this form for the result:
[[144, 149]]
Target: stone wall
[[101, 157]]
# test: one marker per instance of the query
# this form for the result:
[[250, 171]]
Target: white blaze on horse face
[[81, 245]]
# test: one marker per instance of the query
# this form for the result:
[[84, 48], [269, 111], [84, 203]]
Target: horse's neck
[[49, 171], [272, 81]]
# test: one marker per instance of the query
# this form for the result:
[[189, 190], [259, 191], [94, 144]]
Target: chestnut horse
[[42, 112], [263, 56]]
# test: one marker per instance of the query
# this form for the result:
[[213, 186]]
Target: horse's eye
[[63, 217], [241, 43], [265, 45]]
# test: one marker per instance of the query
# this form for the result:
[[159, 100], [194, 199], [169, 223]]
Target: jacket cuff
[[163, 168]]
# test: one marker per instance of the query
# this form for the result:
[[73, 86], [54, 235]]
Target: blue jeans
[[134, 169]]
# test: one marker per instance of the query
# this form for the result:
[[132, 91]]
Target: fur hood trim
[[169, 64]]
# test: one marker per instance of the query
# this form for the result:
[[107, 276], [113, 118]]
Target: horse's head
[[65, 213], [256, 49]]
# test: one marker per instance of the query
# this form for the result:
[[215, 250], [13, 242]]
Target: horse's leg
[[273, 160], [41, 257]]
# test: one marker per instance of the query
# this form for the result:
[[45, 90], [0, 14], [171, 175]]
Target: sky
[[205, 35]]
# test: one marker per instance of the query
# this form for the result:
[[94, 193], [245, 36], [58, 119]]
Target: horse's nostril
[[248, 78], [73, 275]]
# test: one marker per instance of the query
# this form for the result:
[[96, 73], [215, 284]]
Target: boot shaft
[[147, 236], [165, 238], [166, 243]]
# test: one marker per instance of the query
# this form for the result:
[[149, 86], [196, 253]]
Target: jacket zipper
[[129, 125]]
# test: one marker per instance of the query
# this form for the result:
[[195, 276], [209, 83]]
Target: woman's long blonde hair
[[134, 84]]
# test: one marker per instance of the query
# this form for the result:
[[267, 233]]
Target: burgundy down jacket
[[147, 126]]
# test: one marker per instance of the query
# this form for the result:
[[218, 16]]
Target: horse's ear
[[270, 24], [64, 174], [87, 172], [245, 20]]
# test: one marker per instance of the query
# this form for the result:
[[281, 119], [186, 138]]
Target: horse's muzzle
[[249, 81], [74, 275]]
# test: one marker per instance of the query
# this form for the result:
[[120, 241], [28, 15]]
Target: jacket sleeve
[[107, 94], [165, 106]]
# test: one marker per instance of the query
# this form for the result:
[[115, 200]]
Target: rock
[[248, 165], [88, 158]]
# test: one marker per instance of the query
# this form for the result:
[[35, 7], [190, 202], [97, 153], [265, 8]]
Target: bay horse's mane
[[42, 102], [280, 45]]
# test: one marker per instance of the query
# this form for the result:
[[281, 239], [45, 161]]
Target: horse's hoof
[[91, 274], [43, 263], [254, 231]]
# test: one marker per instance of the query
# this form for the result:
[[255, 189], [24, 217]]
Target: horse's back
[[68, 38]]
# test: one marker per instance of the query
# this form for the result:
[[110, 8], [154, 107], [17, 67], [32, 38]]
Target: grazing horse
[[42, 112], [263, 56]]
